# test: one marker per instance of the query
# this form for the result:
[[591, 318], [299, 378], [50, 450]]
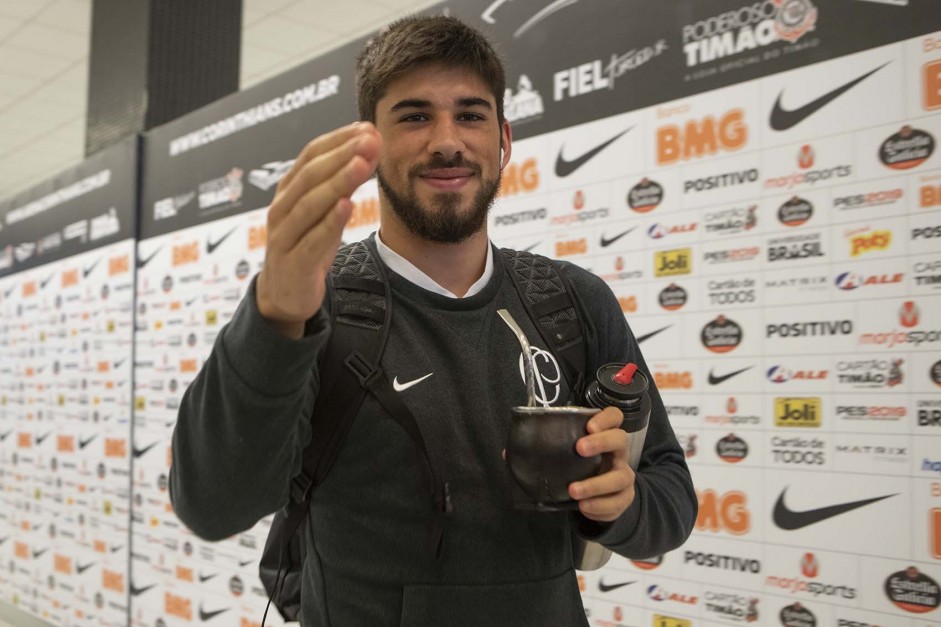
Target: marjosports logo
[[805, 161], [909, 317], [913, 591], [548, 376], [747, 28], [721, 335], [810, 569], [645, 196], [908, 148], [732, 417]]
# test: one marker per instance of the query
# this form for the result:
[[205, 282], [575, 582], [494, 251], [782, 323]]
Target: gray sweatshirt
[[244, 422]]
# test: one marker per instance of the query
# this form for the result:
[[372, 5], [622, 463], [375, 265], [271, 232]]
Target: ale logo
[[672, 297], [645, 196], [732, 449], [795, 212], [805, 157], [909, 314], [672, 262], [913, 591], [797, 412], [907, 149], [726, 512], [809, 565], [721, 335], [796, 615]]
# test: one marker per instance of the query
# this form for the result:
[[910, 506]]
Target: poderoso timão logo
[[721, 335], [913, 591], [797, 411], [907, 149]]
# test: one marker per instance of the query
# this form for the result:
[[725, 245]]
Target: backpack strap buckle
[[361, 368]]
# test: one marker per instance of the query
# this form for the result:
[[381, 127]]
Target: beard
[[445, 221]]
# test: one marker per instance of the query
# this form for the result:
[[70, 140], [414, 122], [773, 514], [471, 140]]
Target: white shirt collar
[[402, 266]]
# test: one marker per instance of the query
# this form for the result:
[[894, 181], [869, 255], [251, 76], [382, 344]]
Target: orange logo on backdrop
[[188, 365], [519, 178], [673, 380], [178, 606], [244, 622], [934, 530], [929, 196], [118, 265], [876, 240], [628, 303], [69, 277], [257, 236], [104, 366], [571, 247], [112, 580], [24, 440], [65, 443], [186, 574], [931, 85], [63, 564], [115, 447], [99, 546], [185, 253], [723, 512], [364, 212], [21, 550], [701, 138], [809, 565], [29, 288]]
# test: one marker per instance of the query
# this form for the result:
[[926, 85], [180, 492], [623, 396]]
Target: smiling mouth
[[447, 178]]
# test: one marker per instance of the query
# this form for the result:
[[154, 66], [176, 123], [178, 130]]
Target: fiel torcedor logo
[[721, 335], [796, 615], [913, 591], [906, 149], [645, 196]]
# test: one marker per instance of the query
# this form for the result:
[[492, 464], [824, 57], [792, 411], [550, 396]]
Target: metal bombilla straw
[[528, 366]]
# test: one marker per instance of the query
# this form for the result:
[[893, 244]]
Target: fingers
[[319, 244], [613, 440], [320, 145], [606, 496], [608, 418], [318, 168]]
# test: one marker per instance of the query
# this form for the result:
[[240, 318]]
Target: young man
[[431, 97]]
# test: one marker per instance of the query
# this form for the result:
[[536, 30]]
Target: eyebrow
[[415, 103]]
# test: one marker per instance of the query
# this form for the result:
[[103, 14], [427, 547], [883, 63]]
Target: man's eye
[[470, 117], [415, 117]]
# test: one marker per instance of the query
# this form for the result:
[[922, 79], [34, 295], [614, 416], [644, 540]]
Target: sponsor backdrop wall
[[758, 182]]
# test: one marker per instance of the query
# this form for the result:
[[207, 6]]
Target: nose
[[446, 139]]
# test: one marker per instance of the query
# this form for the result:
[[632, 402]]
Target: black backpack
[[350, 369]]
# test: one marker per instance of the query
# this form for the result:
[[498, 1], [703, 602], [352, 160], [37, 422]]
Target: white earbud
[[501, 159]]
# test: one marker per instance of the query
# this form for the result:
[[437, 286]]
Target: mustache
[[439, 162]]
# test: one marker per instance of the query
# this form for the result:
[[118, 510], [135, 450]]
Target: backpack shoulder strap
[[550, 303], [360, 314]]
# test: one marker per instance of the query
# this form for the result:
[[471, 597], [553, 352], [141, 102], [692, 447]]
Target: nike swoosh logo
[[7, 293], [44, 282], [715, 379], [789, 520], [205, 578], [605, 242], [529, 248], [4, 436], [614, 586], [90, 269], [643, 338], [117, 364], [115, 549], [782, 120], [2, 540], [140, 452], [39, 553], [143, 261], [83, 443], [245, 563], [564, 167], [81, 568], [401, 387], [190, 302], [139, 591], [204, 615], [42, 438], [212, 246]]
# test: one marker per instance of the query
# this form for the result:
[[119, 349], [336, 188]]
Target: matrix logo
[[797, 412]]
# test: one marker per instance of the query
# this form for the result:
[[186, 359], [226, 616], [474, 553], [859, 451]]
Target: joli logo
[[797, 412]]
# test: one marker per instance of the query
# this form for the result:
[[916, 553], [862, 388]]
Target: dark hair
[[414, 41]]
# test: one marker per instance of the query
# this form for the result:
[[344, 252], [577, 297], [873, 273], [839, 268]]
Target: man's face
[[440, 163]]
